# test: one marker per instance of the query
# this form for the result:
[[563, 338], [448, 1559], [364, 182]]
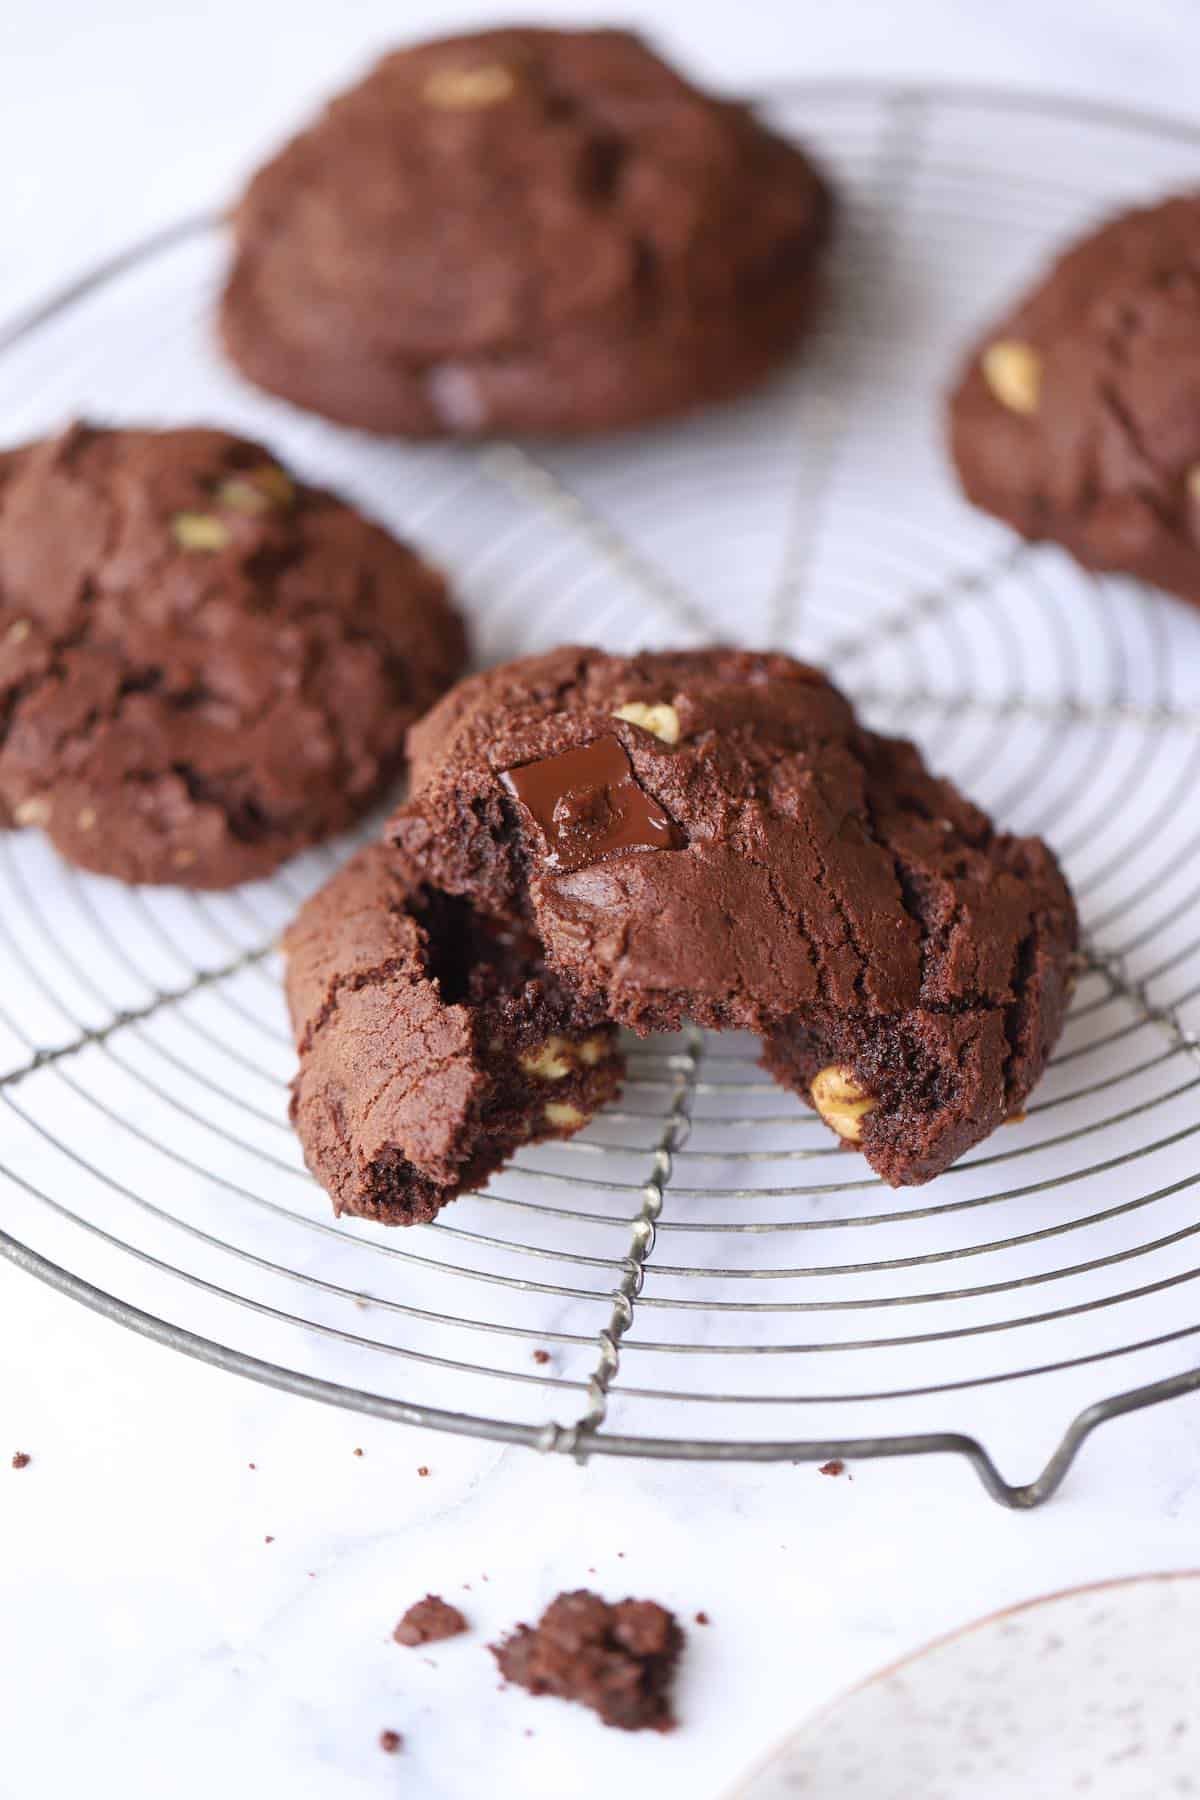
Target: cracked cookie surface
[[750, 856], [432, 1043], [1077, 418], [523, 230], [205, 666]]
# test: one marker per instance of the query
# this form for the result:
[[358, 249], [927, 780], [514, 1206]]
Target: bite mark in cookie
[[430, 1041]]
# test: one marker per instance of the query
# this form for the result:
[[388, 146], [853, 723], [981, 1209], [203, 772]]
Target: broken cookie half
[[432, 1043]]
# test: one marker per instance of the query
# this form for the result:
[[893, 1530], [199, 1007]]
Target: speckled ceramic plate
[[1094, 1692]]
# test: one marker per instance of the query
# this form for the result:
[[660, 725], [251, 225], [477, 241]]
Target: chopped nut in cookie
[[551, 1061], [1013, 371], [562, 1114], [661, 720], [199, 531], [842, 1102], [464, 90], [266, 489]]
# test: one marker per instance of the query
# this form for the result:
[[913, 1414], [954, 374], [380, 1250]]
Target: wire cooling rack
[[702, 1274]]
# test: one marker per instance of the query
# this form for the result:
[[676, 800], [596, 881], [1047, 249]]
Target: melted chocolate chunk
[[590, 806]]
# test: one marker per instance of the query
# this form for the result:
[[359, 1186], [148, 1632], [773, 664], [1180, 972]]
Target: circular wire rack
[[702, 1274]]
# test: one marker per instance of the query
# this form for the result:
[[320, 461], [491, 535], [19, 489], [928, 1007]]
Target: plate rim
[[1157, 1577]]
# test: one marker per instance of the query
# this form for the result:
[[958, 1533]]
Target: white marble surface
[[154, 1642]]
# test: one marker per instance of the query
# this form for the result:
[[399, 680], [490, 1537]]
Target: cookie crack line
[[574, 1439], [136, 1015]]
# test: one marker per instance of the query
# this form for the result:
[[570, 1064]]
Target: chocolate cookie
[[432, 1043], [711, 834], [204, 665], [1077, 418], [523, 230], [619, 1660]]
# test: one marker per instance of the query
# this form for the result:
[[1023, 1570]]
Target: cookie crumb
[[390, 1741], [252, 1465], [21, 1459], [541, 1356], [358, 1453], [422, 1470], [619, 1660], [834, 1467], [268, 1540], [428, 1621], [702, 1618]]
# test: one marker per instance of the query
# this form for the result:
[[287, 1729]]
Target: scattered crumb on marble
[[21, 1459], [702, 1618], [390, 1741], [541, 1356], [358, 1453], [619, 1660], [422, 1470], [834, 1467], [429, 1621], [252, 1465], [268, 1540]]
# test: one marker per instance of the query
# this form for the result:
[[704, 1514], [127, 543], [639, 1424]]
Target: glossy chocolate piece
[[589, 805]]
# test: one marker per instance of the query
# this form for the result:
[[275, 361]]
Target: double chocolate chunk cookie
[[523, 230], [1077, 419], [712, 835], [205, 665], [433, 1041]]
